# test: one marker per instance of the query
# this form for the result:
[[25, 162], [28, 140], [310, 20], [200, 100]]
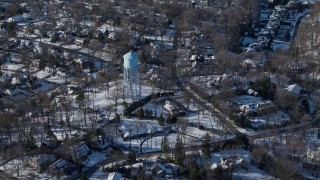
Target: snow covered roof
[[114, 176], [249, 61], [294, 88], [226, 162], [214, 166], [59, 164], [252, 92], [193, 57], [168, 45], [282, 79], [81, 150], [17, 18], [137, 165], [45, 157]]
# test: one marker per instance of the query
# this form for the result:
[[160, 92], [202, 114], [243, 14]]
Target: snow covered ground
[[20, 168], [309, 138], [56, 79], [304, 143], [41, 74], [11, 66]]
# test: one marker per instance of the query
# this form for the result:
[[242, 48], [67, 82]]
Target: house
[[68, 39], [61, 72], [44, 161], [61, 166], [158, 170], [135, 169], [50, 69], [168, 45], [15, 58], [266, 107], [113, 35], [171, 170], [15, 81], [259, 108], [37, 48], [139, 130], [147, 167], [202, 59], [81, 41], [17, 18], [294, 89], [35, 63], [5, 77], [196, 66], [55, 53], [27, 16], [161, 171], [247, 64], [233, 161], [81, 151], [85, 32], [50, 142], [218, 81], [100, 34]]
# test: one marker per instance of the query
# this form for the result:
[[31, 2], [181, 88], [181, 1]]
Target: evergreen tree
[[165, 147], [179, 153], [117, 118], [132, 157], [194, 171], [161, 120], [305, 106], [80, 96], [220, 174], [206, 146], [140, 113], [141, 175], [83, 177]]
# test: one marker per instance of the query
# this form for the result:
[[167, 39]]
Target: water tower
[[132, 86]]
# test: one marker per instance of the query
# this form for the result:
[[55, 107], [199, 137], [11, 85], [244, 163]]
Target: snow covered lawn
[[41, 74], [11, 66], [57, 79]]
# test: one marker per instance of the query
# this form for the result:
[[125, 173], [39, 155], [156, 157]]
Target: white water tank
[[131, 75], [131, 60]]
